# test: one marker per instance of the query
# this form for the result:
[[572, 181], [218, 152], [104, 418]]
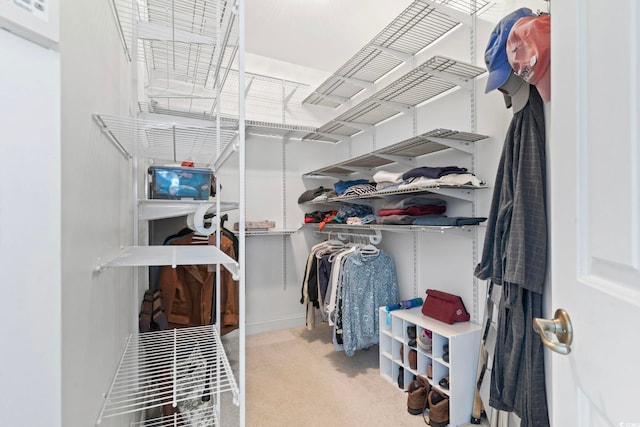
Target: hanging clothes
[[368, 283], [347, 284], [188, 289], [514, 257]]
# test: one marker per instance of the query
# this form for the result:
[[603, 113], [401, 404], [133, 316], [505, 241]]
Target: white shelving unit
[[434, 77], [462, 339], [398, 45], [184, 51], [157, 368], [419, 25], [405, 153], [140, 256], [150, 209], [375, 229]]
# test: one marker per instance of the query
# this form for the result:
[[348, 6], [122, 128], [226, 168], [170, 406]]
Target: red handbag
[[445, 307]]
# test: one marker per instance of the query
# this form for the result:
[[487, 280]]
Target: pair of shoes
[[425, 340], [411, 332], [401, 378], [411, 335], [438, 409], [444, 382], [429, 371], [413, 359], [418, 393], [445, 353]]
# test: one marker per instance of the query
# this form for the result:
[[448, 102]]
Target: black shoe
[[401, 378], [444, 382], [411, 332]]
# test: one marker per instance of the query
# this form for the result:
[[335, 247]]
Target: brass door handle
[[560, 326]]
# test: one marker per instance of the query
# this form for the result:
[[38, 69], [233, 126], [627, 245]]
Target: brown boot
[[413, 359], [418, 391], [438, 409]]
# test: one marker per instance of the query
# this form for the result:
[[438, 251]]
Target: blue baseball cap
[[495, 56]]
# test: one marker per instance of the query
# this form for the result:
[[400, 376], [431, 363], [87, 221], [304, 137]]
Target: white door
[[594, 178]]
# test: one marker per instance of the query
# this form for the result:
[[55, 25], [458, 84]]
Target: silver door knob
[[560, 326]]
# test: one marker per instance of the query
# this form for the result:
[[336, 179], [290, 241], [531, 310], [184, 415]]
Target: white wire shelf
[[272, 232], [434, 77], [164, 140], [150, 209], [169, 367], [267, 99], [368, 230], [209, 419], [253, 127], [173, 255], [404, 152], [179, 40], [419, 25], [462, 192]]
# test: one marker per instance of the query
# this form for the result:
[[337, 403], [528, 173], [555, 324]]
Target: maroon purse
[[445, 307]]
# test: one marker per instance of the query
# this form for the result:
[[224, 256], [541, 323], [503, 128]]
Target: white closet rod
[[374, 236]]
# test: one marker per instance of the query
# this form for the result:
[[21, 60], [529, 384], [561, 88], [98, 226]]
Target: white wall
[[97, 309], [275, 265], [65, 203], [30, 233]]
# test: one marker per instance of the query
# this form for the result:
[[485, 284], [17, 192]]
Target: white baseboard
[[275, 324]]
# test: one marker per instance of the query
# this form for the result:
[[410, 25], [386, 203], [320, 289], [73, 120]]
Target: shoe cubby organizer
[[454, 354]]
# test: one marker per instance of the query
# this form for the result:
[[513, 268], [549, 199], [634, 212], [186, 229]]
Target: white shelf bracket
[[325, 175], [463, 146], [409, 161], [338, 99], [341, 138], [398, 106], [110, 136], [288, 97], [402, 56], [360, 126], [461, 17], [231, 148], [364, 171], [464, 83], [248, 87], [356, 82]]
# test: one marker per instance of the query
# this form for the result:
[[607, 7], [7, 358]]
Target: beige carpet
[[295, 378]]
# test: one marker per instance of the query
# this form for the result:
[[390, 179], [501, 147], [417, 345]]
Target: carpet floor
[[295, 378]]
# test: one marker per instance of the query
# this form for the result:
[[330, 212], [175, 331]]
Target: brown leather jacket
[[187, 291]]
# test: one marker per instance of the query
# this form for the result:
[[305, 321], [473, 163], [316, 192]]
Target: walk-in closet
[[231, 212]]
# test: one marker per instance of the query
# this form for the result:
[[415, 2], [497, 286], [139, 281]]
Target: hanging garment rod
[[374, 236]]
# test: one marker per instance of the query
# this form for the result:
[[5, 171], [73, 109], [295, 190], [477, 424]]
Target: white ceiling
[[321, 34], [324, 34]]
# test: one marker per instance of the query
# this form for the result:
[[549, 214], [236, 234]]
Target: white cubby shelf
[[463, 340]]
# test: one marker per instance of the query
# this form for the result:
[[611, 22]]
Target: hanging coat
[[188, 291], [515, 257]]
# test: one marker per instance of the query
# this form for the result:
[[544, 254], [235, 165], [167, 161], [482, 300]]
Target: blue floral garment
[[369, 282]]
